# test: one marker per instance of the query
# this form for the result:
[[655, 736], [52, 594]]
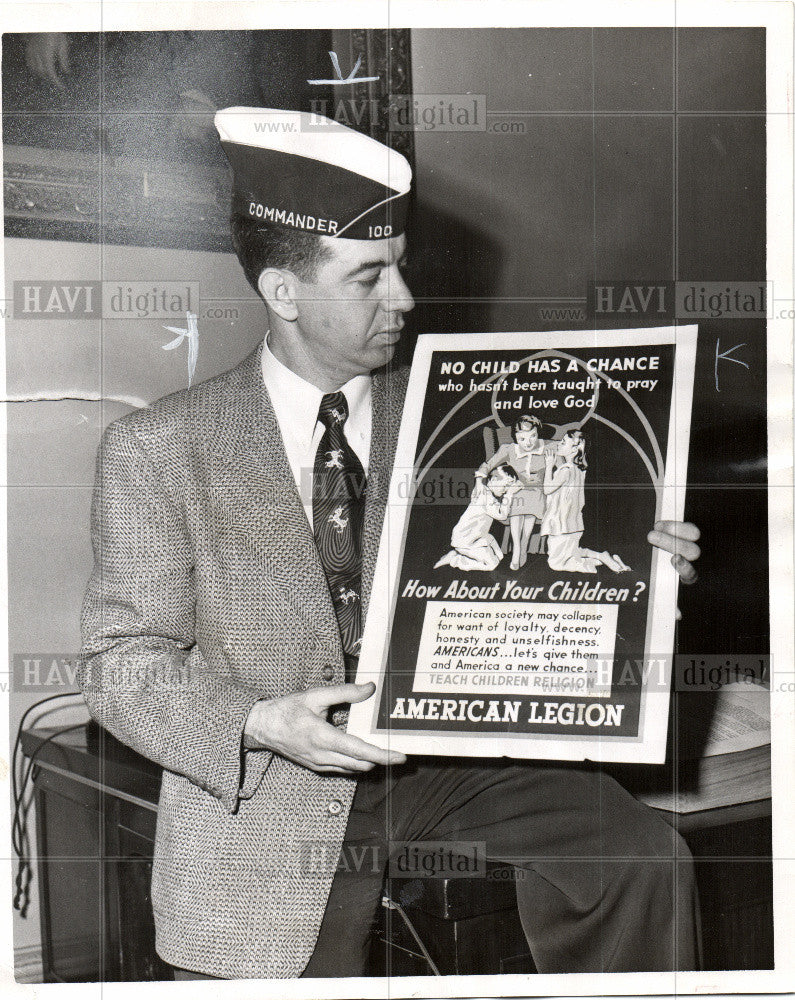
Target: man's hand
[[295, 727], [678, 538]]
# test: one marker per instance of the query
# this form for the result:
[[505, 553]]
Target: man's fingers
[[302, 733], [685, 570], [677, 546], [680, 529], [330, 759], [679, 538], [352, 746], [330, 769], [340, 694]]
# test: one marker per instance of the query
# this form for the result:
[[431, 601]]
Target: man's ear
[[278, 289]]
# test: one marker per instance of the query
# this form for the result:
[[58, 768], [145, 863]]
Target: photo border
[[777, 18]]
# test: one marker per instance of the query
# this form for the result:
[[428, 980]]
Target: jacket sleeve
[[142, 674]]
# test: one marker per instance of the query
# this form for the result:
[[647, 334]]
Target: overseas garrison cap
[[306, 172]]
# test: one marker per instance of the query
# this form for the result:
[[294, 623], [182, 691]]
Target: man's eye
[[369, 282]]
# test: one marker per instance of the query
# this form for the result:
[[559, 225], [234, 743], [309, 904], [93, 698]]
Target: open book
[[728, 764]]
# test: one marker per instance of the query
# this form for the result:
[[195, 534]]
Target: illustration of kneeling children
[[474, 547], [562, 523]]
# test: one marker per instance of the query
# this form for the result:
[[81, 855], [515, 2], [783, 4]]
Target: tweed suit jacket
[[208, 594]]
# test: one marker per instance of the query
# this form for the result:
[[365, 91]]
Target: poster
[[518, 608]]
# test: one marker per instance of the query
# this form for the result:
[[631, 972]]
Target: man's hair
[[260, 244]]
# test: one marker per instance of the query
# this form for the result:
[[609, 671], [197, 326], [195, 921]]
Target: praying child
[[474, 547], [562, 523]]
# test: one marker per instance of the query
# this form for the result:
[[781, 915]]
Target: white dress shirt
[[296, 404]]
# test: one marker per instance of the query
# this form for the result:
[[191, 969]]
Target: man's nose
[[399, 297]]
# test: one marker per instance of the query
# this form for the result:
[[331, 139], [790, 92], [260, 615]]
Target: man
[[224, 613]]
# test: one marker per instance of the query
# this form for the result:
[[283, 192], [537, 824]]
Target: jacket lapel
[[254, 484], [262, 501], [387, 410]]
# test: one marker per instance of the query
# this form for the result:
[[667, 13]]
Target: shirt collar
[[297, 402]]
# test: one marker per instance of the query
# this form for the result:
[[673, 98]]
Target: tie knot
[[333, 410]]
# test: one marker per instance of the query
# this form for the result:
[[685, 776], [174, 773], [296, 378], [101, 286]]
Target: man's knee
[[632, 829], [662, 872], [665, 842], [654, 855]]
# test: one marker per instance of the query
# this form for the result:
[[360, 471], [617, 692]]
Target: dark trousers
[[606, 886]]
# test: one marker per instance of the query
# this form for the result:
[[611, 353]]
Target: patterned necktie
[[338, 494]]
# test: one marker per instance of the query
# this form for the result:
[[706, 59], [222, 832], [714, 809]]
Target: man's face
[[350, 316]]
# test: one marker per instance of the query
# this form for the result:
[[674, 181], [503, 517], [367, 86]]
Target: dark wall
[[639, 156]]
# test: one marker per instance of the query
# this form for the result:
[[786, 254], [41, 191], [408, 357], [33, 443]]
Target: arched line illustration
[[656, 482]]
